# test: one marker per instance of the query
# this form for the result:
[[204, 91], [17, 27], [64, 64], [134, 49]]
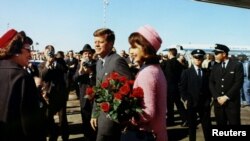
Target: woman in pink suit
[[144, 45]]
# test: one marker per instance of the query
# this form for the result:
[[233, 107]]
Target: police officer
[[225, 82], [195, 90]]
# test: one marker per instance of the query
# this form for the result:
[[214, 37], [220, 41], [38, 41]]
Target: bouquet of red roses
[[116, 97]]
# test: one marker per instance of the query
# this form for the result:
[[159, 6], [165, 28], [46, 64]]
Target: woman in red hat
[[20, 117]]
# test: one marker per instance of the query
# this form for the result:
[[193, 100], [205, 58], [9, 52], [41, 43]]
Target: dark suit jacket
[[194, 89], [228, 83], [84, 81], [172, 69], [54, 79], [71, 71], [113, 62]]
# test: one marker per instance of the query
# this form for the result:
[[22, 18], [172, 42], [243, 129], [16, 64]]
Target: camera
[[87, 64], [51, 54]]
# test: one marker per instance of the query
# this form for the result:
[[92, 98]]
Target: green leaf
[[116, 104], [114, 116], [138, 110], [95, 114]]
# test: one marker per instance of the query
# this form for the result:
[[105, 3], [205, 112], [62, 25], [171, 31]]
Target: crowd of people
[[31, 95]]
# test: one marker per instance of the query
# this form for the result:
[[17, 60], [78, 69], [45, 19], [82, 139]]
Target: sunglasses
[[216, 53]]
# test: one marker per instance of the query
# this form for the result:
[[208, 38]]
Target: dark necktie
[[199, 73], [101, 63], [223, 67], [199, 79]]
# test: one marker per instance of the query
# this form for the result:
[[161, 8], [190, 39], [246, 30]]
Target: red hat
[[7, 37]]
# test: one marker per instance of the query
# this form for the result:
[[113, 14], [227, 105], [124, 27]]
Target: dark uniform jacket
[[194, 89], [228, 83]]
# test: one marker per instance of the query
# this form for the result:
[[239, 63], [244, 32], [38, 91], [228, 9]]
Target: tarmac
[[175, 133]]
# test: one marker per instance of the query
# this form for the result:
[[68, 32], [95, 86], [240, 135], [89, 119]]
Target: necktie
[[223, 67], [199, 73], [101, 63]]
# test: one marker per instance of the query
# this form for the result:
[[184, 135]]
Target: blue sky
[[69, 24]]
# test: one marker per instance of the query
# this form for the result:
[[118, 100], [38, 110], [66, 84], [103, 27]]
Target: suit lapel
[[194, 73], [102, 73], [229, 65], [221, 70]]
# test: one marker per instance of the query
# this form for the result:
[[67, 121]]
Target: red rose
[[114, 75], [105, 84], [137, 92], [89, 91], [118, 96], [124, 89], [105, 106], [123, 79]]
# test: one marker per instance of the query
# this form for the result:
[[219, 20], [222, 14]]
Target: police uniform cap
[[198, 53], [219, 48]]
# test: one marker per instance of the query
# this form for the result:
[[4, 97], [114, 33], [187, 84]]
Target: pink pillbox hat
[[151, 35]]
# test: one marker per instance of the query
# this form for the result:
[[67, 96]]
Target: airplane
[[234, 3], [234, 49], [208, 48]]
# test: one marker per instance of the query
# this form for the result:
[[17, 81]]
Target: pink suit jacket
[[152, 80]]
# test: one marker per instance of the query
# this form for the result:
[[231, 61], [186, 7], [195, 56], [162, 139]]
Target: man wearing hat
[[225, 82], [85, 76], [194, 88]]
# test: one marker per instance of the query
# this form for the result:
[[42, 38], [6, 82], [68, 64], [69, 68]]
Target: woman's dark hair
[[18, 43], [137, 38]]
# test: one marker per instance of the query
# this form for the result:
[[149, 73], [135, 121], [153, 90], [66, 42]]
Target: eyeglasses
[[27, 49]]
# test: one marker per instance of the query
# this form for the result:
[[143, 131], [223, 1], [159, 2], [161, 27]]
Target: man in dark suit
[[172, 69], [85, 77], [194, 88], [225, 82], [72, 64], [52, 73], [109, 61]]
